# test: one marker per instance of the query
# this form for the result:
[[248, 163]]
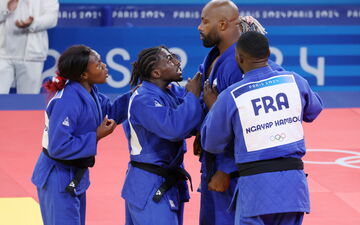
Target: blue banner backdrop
[[190, 2], [189, 15], [320, 42]]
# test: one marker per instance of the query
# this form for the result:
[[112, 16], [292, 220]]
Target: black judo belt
[[82, 164], [270, 165], [171, 175], [209, 165]]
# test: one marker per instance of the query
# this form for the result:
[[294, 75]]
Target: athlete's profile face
[[210, 39], [96, 69], [169, 66], [208, 28]]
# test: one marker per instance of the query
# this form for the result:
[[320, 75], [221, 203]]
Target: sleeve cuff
[[225, 164]]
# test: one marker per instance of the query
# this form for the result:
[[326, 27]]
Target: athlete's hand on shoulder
[[106, 127], [210, 94], [194, 85], [220, 182]]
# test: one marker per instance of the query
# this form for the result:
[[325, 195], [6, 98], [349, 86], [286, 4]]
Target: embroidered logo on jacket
[[157, 104], [66, 122], [72, 184]]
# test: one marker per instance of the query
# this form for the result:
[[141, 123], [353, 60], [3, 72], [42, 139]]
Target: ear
[[268, 53], [84, 76], [240, 62], [239, 58], [223, 24], [156, 74]]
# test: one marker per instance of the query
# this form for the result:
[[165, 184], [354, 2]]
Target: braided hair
[[249, 23], [145, 64]]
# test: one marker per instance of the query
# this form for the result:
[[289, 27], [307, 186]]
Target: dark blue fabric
[[158, 123], [71, 119], [274, 192]]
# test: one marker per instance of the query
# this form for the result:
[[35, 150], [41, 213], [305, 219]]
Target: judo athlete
[[76, 118], [261, 116], [160, 118], [220, 28]]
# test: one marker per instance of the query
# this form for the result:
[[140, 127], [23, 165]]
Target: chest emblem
[[157, 104], [66, 122]]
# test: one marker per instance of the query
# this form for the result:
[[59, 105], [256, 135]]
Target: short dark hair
[[254, 44], [145, 64], [74, 61]]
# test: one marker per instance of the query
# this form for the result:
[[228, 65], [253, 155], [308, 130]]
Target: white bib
[[270, 112]]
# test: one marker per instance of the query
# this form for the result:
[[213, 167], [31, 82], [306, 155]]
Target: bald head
[[221, 9], [219, 24]]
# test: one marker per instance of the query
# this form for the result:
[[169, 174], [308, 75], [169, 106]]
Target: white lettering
[[120, 68], [318, 72], [353, 13]]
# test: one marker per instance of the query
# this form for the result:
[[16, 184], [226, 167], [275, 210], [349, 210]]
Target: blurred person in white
[[24, 42]]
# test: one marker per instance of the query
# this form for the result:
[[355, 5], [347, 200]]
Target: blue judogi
[[158, 122], [71, 119], [214, 205], [261, 115]]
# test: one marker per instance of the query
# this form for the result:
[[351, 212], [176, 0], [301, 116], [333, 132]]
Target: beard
[[211, 39]]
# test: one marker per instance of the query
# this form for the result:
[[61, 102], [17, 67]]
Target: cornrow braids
[[145, 64]]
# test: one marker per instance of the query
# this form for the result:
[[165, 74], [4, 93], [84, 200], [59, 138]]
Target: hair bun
[[57, 83]]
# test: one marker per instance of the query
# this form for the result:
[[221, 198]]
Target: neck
[[227, 41], [86, 85], [254, 65], [160, 83]]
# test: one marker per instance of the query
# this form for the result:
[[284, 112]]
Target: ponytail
[[55, 84]]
